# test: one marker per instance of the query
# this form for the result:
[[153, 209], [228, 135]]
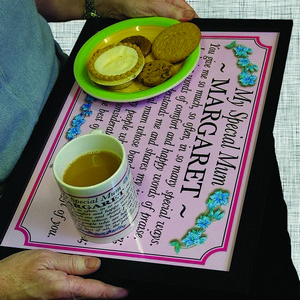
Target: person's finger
[[65, 286], [175, 10], [89, 288], [74, 287], [180, 3], [74, 264]]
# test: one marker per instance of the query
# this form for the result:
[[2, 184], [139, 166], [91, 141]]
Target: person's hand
[[123, 9], [43, 274], [59, 11]]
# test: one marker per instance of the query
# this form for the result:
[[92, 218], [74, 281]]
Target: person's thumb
[[75, 264], [185, 15], [175, 12]]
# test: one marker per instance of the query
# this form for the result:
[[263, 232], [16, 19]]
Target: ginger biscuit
[[176, 42], [156, 72]]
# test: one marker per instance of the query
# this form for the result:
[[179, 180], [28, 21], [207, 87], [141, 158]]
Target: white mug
[[106, 211]]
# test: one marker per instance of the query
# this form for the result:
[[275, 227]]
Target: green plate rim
[[90, 88]]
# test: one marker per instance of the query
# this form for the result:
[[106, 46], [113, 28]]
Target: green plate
[[148, 27]]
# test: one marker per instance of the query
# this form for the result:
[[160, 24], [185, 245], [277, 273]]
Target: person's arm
[[65, 10], [61, 10], [43, 274]]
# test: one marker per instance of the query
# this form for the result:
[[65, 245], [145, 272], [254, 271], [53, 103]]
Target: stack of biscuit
[[172, 45]]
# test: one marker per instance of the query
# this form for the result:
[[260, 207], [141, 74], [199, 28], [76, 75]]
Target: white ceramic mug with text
[[106, 211]]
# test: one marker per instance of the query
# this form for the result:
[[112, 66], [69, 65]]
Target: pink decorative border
[[202, 261]]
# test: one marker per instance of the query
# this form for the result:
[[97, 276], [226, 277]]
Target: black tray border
[[130, 273]]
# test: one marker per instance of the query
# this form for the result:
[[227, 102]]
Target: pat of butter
[[117, 60]]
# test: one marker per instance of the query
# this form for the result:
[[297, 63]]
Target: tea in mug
[[91, 168]]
